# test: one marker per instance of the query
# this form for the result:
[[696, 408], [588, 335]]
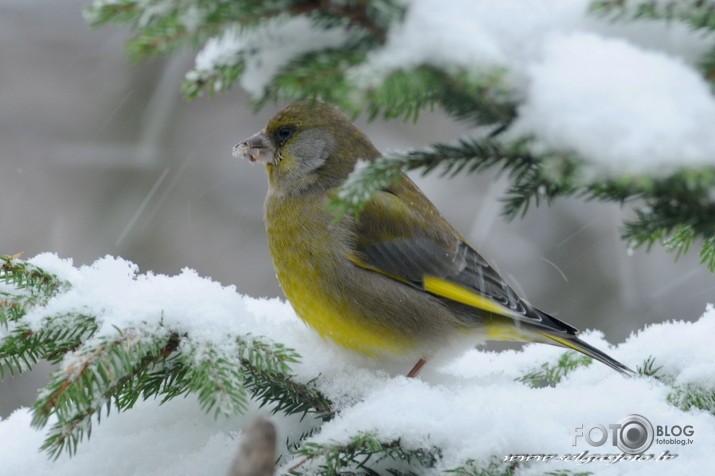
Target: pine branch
[[693, 396], [481, 98], [269, 382], [678, 210], [162, 29], [118, 369], [285, 395], [698, 14], [468, 155], [474, 96], [685, 397], [217, 79], [552, 374], [546, 178], [365, 453], [477, 97], [531, 181], [91, 378], [321, 75], [372, 16], [707, 65], [114, 370], [146, 363], [117, 11], [473, 467], [648, 369], [31, 285], [22, 347], [567, 472]]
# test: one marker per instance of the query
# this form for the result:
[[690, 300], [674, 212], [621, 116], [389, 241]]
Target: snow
[[192, 18], [621, 107], [470, 407], [220, 50], [150, 9], [265, 49], [112, 288], [626, 97], [468, 33]]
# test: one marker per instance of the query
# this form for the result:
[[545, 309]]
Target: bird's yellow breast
[[308, 255]]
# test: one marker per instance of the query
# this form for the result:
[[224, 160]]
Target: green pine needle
[[366, 454], [552, 374], [675, 210], [117, 370], [473, 467]]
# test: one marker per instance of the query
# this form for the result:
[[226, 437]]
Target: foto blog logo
[[632, 434]]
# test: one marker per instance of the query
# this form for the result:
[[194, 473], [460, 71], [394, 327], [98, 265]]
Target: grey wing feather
[[411, 259]]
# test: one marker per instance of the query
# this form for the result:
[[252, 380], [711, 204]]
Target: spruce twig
[[552, 374], [675, 210], [136, 364], [365, 453], [494, 467], [699, 14], [685, 397], [126, 365]]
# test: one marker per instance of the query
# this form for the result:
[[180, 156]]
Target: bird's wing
[[400, 234]]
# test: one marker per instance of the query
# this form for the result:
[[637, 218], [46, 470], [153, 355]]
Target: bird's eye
[[284, 133]]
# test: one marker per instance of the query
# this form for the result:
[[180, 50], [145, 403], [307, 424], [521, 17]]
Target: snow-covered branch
[[154, 338]]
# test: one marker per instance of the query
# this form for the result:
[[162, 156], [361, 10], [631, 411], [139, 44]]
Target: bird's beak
[[257, 148]]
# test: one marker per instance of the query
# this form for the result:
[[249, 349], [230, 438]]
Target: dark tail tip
[[573, 342]]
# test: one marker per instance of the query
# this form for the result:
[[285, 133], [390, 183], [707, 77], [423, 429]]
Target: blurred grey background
[[100, 156]]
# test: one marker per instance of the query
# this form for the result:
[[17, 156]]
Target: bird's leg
[[416, 369]]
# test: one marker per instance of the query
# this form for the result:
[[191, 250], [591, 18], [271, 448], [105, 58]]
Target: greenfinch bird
[[398, 279]]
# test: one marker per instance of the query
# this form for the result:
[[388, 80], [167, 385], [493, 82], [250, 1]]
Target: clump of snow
[[627, 97], [623, 108], [173, 439], [265, 49], [191, 18], [91, 13], [220, 50], [113, 289], [474, 33], [470, 408], [685, 346]]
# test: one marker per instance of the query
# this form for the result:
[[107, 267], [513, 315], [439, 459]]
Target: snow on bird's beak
[[257, 148]]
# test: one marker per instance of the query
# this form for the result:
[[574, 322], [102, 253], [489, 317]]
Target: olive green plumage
[[399, 279]]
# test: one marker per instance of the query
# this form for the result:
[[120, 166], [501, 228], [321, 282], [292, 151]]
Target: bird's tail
[[538, 326], [556, 332], [573, 342]]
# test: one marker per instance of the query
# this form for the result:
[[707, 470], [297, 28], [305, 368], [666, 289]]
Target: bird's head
[[307, 144]]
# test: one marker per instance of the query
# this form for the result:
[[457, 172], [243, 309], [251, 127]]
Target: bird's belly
[[322, 285], [324, 308]]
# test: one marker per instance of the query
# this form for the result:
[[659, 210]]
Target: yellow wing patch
[[458, 293], [504, 329], [563, 342]]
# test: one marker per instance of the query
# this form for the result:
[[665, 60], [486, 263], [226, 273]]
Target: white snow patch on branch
[[265, 49], [627, 97], [625, 109], [470, 408]]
